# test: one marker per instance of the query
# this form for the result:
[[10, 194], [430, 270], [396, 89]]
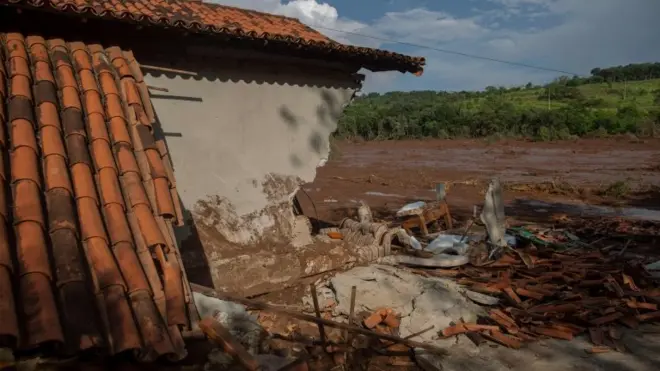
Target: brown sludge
[[560, 296]]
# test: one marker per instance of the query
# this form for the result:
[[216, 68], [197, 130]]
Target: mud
[[566, 175]]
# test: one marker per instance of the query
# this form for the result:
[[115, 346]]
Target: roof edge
[[369, 58]]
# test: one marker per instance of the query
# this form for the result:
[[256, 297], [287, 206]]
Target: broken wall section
[[243, 136]]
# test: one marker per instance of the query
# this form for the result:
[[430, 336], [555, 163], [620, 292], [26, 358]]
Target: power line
[[447, 51]]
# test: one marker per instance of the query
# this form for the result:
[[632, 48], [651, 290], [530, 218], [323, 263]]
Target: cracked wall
[[244, 135]]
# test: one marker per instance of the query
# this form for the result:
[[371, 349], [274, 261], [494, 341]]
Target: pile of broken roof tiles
[[545, 293], [88, 259]]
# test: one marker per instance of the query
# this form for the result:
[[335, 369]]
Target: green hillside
[[641, 92], [587, 106]]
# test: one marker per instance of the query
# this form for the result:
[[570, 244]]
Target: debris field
[[549, 293]]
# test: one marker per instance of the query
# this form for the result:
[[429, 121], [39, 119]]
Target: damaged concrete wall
[[243, 136]]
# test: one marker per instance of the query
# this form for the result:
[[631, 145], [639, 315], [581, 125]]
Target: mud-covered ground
[[583, 186], [541, 179]]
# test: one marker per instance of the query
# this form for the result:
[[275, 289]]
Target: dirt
[[388, 174], [587, 186]]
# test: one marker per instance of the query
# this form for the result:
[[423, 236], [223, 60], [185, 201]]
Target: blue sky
[[567, 35]]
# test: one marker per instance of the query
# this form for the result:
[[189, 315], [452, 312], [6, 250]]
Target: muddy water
[[390, 174]]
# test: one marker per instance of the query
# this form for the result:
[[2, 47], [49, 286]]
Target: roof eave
[[372, 59]]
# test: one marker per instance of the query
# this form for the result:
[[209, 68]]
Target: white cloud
[[570, 35], [422, 25], [316, 14]]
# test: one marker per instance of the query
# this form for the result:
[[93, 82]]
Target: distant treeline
[[631, 72], [563, 109]]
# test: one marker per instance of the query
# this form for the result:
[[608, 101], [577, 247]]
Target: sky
[[567, 35]]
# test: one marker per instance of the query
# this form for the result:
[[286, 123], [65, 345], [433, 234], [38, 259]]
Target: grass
[[617, 189], [639, 91]]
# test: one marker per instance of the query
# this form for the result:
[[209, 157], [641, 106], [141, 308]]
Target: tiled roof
[[88, 257], [196, 16]]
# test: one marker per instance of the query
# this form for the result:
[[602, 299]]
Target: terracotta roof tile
[[93, 104], [83, 182], [148, 226], [70, 98], [40, 316], [25, 165], [230, 22], [19, 66], [96, 127], [9, 323], [27, 203], [119, 133], [61, 212], [47, 115], [56, 172], [102, 155], [65, 77], [32, 255], [20, 87], [79, 220], [109, 187], [164, 198], [22, 134], [43, 72]]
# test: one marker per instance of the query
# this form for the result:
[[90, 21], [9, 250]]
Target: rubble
[[561, 296]]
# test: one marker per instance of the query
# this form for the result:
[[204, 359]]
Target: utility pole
[[548, 97], [625, 88]]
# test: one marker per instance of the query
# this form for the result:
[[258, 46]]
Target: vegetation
[[611, 101]]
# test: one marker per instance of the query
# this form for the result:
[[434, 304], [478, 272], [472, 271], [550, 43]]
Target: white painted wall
[[242, 139]]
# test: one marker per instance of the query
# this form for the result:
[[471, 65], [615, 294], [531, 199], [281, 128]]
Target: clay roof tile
[[47, 115], [70, 98], [63, 227], [67, 257], [39, 312], [25, 165], [93, 103], [76, 147], [91, 224], [102, 155], [81, 60], [83, 182], [27, 203], [109, 187], [56, 173], [126, 159], [164, 198], [117, 224], [5, 249], [148, 226], [123, 332], [113, 107], [119, 132], [65, 77], [9, 327], [42, 72], [97, 128], [87, 81], [229, 22], [31, 251], [45, 92], [22, 135], [130, 266], [20, 87], [156, 167], [16, 47], [108, 84], [19, 67], [132, 185], [61, 212]]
